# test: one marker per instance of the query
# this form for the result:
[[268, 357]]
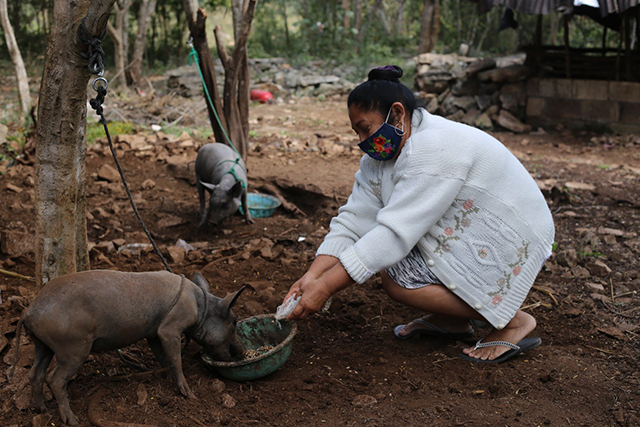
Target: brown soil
[[346, 367]]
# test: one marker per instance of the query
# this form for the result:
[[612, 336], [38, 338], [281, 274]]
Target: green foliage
[[96, 130]]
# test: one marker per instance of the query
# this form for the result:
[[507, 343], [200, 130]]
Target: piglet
[[99, 310], [221, 172]]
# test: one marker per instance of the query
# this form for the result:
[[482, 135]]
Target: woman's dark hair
[[381, 90]]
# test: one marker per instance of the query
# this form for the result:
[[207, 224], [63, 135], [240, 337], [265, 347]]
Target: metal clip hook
[[100, 79]]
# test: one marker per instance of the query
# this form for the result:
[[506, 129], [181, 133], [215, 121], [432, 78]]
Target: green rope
[[193, 59], [233, 172]]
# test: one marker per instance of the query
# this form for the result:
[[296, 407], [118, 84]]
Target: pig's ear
[[209, 186], [199, 280], [227, 302], [236, 190]]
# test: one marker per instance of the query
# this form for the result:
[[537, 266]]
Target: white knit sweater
[[477, 216]]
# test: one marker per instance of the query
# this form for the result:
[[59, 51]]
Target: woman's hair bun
[[388, 72]]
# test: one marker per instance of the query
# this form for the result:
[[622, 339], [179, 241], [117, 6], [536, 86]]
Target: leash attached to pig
[[120, 308]]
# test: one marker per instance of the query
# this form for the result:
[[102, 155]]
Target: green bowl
[[255, 332], [261, 205]]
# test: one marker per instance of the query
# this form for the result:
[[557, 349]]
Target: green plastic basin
[[254, 333]]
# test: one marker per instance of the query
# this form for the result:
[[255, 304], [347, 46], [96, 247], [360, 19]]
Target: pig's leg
[[170, 339], [158, 351], [202, 198], [245, 208], [43, 356], [68, 361]]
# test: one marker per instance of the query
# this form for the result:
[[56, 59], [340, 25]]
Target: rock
[[509, 102], [41, 420], [218, 386], [610, 231], [228, 401], [471, 116], [567, 258], [465, 87], [177, 254], [363, 401], [142, 394], [16, 243], [580, 272], [598, 268], [579, 186], [148, 184], [317, 80], [484, 122], [595, 287], [480, 65], [510, 122], [108, 173], [464, 102], [14, 188], [433, 105], [483, 101], [169, 221], [508, 74]]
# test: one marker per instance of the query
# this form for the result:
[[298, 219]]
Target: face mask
[[383, 144]]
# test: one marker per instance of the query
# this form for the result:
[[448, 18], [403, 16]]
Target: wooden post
[[567, 58]]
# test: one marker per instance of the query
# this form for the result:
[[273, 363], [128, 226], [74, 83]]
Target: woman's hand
[[314, 294]]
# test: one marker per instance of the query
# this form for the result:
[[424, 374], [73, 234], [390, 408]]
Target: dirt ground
[[346, 367]]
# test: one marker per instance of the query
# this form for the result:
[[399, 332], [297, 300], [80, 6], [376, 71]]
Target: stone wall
[[580, 103]]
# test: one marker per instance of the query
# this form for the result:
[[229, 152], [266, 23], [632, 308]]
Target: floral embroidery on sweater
[[504, 282], [462, 222]]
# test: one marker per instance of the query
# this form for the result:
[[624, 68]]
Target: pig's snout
[[237, 350]]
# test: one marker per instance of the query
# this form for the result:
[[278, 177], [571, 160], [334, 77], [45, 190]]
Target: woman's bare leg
[[439, 300]]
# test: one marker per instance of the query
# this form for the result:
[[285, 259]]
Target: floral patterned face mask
[[384, 143]]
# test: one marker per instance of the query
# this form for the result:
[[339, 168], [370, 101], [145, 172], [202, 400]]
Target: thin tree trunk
[[357, 19], [144, 19], [427, 24], [371, 13], [61, 230], [286, 23], [346, 21], [383, 18], [400, 17], [196, 19], [244, 83], [233, 76], [16, 58], [117, 35]]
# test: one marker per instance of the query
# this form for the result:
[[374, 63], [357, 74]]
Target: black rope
[[95, 53], [96, 104]]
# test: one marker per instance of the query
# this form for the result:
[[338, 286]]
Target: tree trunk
[[357, 18], [16, 58], [239, 8], [61, 229], [346, 22], [144, 18], [286, 23], [429, 26], [235, 79], [400, 17], [117, 33], [196, 19], [370, 14]]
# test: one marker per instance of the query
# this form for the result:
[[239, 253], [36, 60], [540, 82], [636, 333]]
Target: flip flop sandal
[[431, 331], [521, 347]]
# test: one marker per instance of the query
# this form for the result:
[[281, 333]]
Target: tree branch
[[222, 51]]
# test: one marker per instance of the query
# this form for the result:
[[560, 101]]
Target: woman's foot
[[436, 325], [519, 327]]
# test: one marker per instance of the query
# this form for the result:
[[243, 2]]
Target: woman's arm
[[315, 293], [320, 266]]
